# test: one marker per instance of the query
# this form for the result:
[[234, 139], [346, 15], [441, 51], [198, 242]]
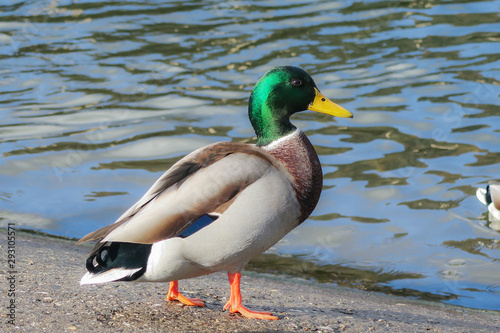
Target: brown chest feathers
[[297, 153]]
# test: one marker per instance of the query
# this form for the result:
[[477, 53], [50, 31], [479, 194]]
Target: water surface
[[98, 98]]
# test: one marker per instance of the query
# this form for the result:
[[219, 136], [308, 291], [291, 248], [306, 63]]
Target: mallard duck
[[490, 196], [223, 204]]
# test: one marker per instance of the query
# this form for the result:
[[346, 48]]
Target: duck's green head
[[278, 94]]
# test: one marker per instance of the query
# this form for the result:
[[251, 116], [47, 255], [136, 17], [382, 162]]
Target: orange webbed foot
[[250, 313], [174, 295], [234, 303]]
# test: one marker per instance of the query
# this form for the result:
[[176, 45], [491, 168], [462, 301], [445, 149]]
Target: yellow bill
[[322, 104]]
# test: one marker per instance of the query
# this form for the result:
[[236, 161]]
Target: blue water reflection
[[98, 98]]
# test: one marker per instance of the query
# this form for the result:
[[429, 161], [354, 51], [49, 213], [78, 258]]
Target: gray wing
[[204, 181]]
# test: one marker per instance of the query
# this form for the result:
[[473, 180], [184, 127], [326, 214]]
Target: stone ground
[[49, 299]]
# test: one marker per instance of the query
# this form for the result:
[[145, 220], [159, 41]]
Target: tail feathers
[[116, 274], [490, 196], [484, 195], [116, 261]]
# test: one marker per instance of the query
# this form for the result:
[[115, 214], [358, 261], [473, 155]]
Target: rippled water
[[99, 98]]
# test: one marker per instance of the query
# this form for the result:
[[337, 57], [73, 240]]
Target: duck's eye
[[296, 82]]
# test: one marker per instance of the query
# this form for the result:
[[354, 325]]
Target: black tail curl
[[488, 195], [119, 255]]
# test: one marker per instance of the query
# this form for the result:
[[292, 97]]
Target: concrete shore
[[48, 298]]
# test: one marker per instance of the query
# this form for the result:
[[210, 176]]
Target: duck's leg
[[174, 295], [234, 303]]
